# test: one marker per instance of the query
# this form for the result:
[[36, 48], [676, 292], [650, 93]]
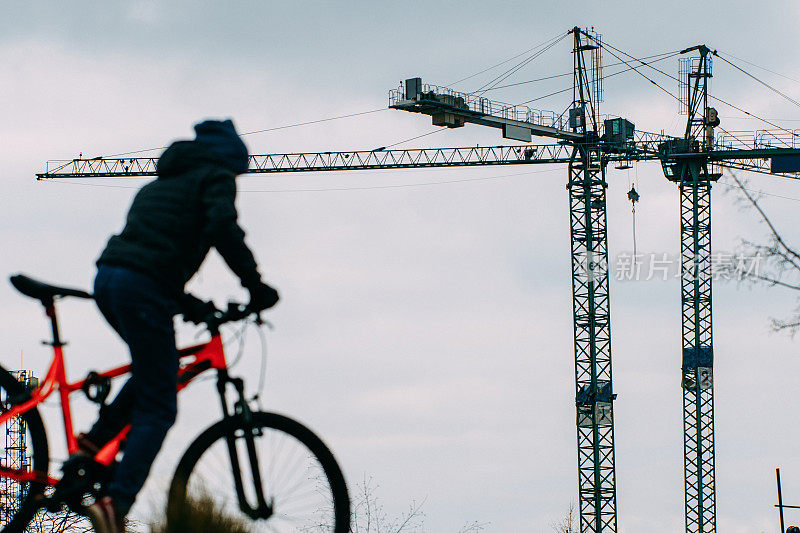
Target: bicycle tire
[[17, 512], [209, 452]]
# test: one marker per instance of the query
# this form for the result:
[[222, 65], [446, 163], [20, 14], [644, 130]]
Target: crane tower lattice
[[15, 455]]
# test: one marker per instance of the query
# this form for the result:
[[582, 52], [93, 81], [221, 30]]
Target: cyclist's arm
[[223, 231]]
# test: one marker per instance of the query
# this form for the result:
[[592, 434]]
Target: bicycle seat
[[42, 291]]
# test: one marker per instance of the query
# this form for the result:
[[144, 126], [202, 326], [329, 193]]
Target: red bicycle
[[262, 467]]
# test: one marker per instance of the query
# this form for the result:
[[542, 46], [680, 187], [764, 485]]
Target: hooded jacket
[[175, 220]]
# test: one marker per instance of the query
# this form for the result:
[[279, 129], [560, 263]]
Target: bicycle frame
[[204, 356]]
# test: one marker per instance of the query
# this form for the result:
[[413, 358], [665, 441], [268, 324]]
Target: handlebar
[[235, 311]]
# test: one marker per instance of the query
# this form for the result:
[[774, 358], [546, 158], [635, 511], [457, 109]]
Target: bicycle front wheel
[[276, 464]]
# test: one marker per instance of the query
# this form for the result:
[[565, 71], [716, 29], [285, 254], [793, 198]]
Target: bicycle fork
[[242, 419]]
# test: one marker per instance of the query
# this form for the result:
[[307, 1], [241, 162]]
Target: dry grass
[[199, 514]]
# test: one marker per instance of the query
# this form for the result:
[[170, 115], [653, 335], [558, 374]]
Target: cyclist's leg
[[117, 414], [143, 316]]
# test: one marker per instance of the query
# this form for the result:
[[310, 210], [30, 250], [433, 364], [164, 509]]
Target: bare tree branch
[[783, 261], [61, 522], [368, 515], [780, 325], [568, 524], [473, 526], [773, 281], [764, 216], [414, 512]]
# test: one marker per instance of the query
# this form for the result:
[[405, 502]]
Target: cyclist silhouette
[[172, 224]]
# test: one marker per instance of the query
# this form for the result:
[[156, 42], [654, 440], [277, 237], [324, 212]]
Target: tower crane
[[585, 144]]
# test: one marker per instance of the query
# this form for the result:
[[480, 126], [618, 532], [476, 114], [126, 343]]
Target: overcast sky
[[425, 330]]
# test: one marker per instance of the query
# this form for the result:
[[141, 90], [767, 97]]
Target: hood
[[220, 137], [183, 156]]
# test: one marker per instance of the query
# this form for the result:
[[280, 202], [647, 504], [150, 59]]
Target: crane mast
[[586, 145], [694, 178], [590, 300]]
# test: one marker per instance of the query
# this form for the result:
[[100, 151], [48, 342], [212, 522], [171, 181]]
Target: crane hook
[[633, 196]]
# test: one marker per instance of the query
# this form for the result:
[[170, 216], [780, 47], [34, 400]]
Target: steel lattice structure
[[597, 479], [697, 373], [592, 329], [15, 455], [697, 379], [697, 366], [645, 147]]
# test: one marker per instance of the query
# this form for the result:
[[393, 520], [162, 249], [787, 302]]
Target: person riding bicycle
[[171, 226]]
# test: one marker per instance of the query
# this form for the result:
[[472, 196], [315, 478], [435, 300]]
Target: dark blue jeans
[[141, 312]]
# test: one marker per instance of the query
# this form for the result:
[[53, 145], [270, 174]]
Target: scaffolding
[[15, 454]]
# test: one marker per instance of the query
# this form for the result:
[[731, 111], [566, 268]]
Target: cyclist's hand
[[194, 309], [262, 296]]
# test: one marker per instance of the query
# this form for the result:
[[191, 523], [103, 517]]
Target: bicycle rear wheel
[[300, 479], [23, 446]]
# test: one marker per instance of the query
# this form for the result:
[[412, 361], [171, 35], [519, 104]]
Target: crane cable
[[762, 68], [765, 84], [504, 75], [667, 54], [267, 129], [315, 121], [606, 46], [630, 67], [516, 68], [505, 61]]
